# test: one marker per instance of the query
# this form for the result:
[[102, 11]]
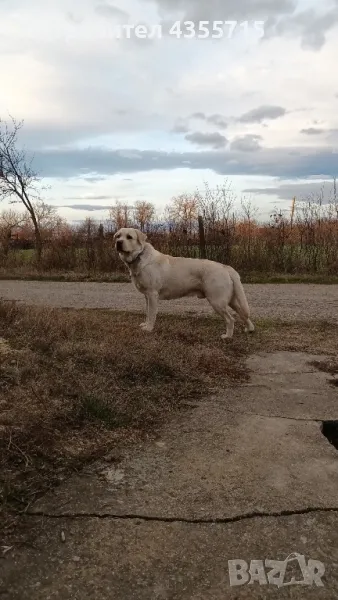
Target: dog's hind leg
[[243, 315], [239, 301], [221, 308]]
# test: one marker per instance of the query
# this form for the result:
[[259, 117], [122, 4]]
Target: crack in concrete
[[197, 521]]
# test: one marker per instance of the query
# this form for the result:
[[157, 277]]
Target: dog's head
[[129, 242]]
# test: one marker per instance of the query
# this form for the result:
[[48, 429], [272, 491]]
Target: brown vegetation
[[207, 223], [301, 242], [77, 384]]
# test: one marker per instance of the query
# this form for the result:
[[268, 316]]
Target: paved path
[[287, 301], [246, 475]]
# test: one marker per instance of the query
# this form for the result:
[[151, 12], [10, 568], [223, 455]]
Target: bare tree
[[18, 181], [143, 214], [182, 212], [249, 214], [49, 221], [9, 220], [216, 204], [119, 215], [249, 211]]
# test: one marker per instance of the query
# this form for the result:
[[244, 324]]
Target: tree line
[[208, 222]]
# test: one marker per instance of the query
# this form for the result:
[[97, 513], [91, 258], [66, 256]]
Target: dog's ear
[[141, 236]]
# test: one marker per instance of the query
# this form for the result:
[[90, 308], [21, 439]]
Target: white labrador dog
[[162, 277]]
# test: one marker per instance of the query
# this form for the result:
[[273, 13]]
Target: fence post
[[201, 237], [100, 247]]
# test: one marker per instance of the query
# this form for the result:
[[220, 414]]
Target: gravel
[[286, 301]]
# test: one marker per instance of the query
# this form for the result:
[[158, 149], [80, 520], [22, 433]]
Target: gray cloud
[[214, 140], [262, 113], [302, 191], [105, 9], [74, 18], [180, 129], [215, 119], [246, 143], [333, 135], [280, 16], [88, 197], [287, 163], [200, 10], [107, 121], [94, 179], [114, 78], [39, 136], [90, 207], [310, 26], [312, 131], [181, 126]]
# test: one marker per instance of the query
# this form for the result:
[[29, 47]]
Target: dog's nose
[[119, 245]]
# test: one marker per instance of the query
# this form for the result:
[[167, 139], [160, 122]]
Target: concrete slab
[[294, 382], [108, 559], [308, 396], [216, 486], [211, 464], [284, 362]]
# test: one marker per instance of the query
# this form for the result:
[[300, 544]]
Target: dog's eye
[[129, 237]]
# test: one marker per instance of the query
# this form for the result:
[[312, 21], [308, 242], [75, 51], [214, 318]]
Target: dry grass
[[27, 272], [315, 337], [75, 384], [329, 366]]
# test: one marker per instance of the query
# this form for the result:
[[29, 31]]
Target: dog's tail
[[239, 295]]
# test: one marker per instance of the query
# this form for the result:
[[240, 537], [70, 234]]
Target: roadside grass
[[29, 273], [74, 384], [294, 278], [313, 337], [77, 384]]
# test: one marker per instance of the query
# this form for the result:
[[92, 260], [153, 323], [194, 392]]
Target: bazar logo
[[294, 570]]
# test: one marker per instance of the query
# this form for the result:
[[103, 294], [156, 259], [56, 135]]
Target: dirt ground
[[246, 477], [291, 302], [245, 470]]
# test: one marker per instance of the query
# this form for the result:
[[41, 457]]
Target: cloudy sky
[[135, 118]]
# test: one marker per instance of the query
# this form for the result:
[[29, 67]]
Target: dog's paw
[[146, 327], [225, 336]]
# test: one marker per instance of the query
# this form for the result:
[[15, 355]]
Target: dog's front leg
[[147, 311], [152, 306]]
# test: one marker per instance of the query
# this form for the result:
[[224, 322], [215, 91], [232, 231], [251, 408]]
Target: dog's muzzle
[[119, 246]]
